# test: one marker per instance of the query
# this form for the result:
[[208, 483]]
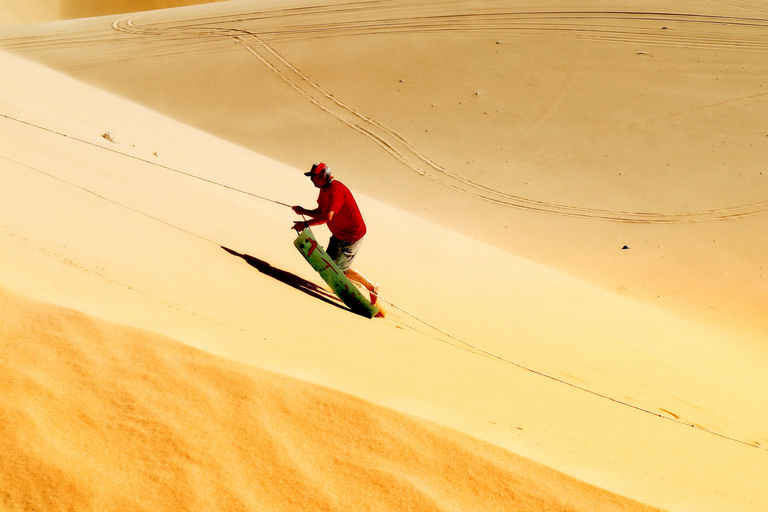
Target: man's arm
[[317, 218], [320, 219], [309, 213]]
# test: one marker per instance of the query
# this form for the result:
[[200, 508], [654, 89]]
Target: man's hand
[[300, 225], [298, 210]]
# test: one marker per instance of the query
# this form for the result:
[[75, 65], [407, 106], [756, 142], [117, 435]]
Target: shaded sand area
[[112, 209], [20, 12]]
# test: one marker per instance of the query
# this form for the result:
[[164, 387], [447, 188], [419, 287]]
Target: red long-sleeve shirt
[[347, 223]]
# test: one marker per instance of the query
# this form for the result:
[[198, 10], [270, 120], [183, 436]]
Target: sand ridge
[[19, 12]]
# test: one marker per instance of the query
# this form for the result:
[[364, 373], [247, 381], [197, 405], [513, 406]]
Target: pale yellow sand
[[662, 402], [531, 125]]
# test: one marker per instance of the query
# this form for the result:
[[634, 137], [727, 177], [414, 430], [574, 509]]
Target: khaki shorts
[[343, 252]]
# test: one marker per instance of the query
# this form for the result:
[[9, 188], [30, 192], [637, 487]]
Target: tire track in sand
[[258, 44]]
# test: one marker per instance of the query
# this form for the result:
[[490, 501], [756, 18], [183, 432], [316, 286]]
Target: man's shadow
[[290, 279]]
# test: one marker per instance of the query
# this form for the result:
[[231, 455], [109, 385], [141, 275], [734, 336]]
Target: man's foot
[[374, 293]]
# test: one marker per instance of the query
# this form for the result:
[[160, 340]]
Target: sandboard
[[339, 283]]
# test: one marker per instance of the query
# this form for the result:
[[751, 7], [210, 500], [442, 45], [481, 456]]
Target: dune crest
[[19, 12]]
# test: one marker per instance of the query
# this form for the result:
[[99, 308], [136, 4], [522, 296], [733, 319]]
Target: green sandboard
[[339, 283]]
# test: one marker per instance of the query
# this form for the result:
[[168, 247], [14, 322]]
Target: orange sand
[[103, 417], [502, 155]]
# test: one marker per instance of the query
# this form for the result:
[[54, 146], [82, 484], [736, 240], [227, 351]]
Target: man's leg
[[343, 253], [372, 288]]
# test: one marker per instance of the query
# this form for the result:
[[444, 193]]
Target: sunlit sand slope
[[100, 417], [119, 212], [481, 139], [561, 132]]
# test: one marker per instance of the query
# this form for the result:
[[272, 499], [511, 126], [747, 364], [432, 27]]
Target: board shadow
[[290, 279]]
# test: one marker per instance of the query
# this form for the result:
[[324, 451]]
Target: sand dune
[[561, 133], [114, 210], [102, 417]]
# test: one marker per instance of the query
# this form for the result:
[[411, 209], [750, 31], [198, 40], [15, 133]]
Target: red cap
[[320, 168]]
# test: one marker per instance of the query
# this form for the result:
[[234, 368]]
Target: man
[[337, 208]]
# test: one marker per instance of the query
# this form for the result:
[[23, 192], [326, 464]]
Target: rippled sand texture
[[565, 206]]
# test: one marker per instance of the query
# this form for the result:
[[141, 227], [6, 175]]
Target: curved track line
[[388, 139], [613, 26], [634, 27], [398, 146]]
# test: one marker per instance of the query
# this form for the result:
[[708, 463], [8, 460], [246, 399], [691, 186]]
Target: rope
[[420, 320], [570, 384], [144, 160], [108, 199]]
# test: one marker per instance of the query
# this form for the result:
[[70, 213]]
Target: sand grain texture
[[102, 417], [502, 156]]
